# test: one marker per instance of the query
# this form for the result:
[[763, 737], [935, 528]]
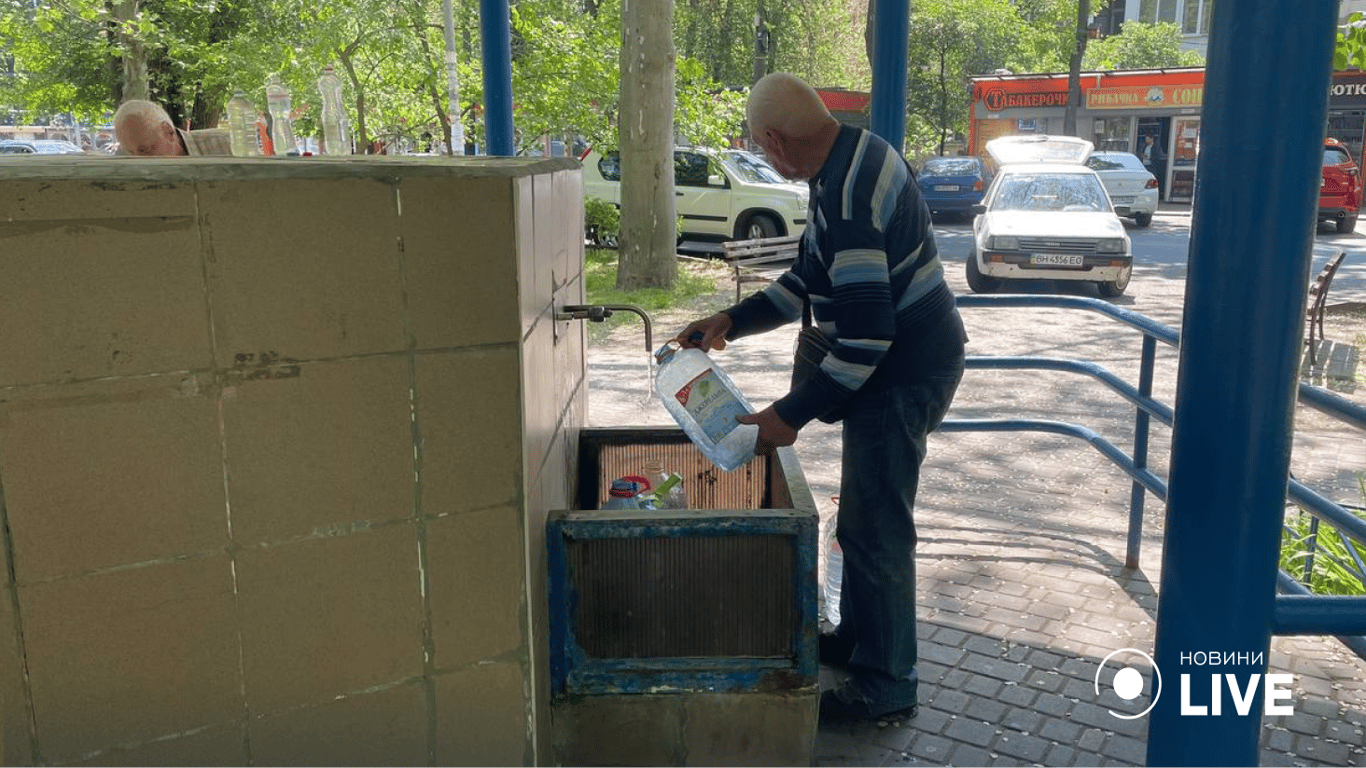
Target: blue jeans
[[884, 444]]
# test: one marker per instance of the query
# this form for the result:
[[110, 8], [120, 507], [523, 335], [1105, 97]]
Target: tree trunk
[[360, 140], [868, 33], [761, 40], [135, 81], [646, 257], [1069, 120]]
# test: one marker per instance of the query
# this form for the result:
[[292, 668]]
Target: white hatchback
[[722, 194], [1046, 215], [1132, 188]]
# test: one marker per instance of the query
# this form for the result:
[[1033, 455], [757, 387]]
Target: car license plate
[[1122, 199], [1056, 259], [945, 187]]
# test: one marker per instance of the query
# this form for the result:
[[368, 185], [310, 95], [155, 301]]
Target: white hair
[[787, 104], [146, 112]]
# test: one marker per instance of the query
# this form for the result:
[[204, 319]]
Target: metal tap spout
[[599, 312]]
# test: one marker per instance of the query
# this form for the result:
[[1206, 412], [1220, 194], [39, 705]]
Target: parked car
[[1047, 215], [39, 147], [1132, 187], [1340, 194], [952, 185], [721, 194]]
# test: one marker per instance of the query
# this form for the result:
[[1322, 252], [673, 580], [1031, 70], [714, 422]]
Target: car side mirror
[[716, 180], [979, 209]]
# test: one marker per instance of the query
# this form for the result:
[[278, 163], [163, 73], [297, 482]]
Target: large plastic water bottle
[[622, 495], [336, 140], [704, 401], [834, 578], [242, 125], [281, 128]]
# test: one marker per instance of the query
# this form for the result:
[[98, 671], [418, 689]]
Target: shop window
[[1112, 133], [1153, 11]]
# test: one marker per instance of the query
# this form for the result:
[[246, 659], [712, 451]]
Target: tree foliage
[[1141, 46], [1350, 51]]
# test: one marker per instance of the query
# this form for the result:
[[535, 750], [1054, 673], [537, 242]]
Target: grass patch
[[1338, 563], [600, 264]]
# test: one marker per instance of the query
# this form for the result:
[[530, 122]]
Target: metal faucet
[[599, 312]]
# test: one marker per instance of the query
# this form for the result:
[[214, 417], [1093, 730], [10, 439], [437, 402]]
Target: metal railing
[[1297, 611]]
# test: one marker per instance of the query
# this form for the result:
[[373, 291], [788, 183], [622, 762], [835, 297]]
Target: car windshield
[[949, 166], [1335, 156], [1050, 192], [751, 168], [1117, 161]]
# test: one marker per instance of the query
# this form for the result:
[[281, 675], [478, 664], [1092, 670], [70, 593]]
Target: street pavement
[[1022, 585]]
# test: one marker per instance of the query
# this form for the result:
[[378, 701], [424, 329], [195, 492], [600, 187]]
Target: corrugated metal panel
[[706, 486], [703, 596]]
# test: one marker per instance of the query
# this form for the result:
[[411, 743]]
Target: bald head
[[144, 128], [788, 119]]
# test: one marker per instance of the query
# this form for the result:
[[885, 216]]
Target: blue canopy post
[[1265, 112], [495, 29], [888, 110]]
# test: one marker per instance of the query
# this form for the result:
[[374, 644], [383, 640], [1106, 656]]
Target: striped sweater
[[868, 265]]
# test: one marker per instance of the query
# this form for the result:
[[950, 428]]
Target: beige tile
[[617, 730], [750, 729], [539, 404], [476, 574], [470, 423], [330, 446], [86, 298], [326, 285], [45, 199], [111, 473], [460, 258], [524, 229], [387, 727], [481, 717], [14, 723], [568, 191], [130, 655], [216, 745], [329, 616], [549, 244]]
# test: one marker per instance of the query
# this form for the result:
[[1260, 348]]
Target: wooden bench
[[1318, 303], [744, 254]]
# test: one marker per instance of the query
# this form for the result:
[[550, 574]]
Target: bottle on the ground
[[704, 401]]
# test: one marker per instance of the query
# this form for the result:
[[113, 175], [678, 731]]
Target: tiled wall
[[277, 441]]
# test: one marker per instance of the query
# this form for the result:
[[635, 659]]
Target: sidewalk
[[1020, 563]]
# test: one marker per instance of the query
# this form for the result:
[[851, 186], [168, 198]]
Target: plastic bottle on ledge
[[625, 492], [336, 140], [668, 486], [704, 401], [281, 128], [242, 125]]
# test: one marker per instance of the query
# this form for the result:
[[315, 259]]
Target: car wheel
[[1347, 224], [1116, 287], [1143, 219], [978, 282], [760, 226]]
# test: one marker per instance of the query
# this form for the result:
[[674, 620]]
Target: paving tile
[[971, 731], [1131, 751], [979, 685], [1023, 746], [950, 701], [966, 754], [1023, 720], [1017, 695], [931, 747], [986, 709], [1058, 730]]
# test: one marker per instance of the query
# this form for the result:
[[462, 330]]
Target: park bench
[[1318, 304], [746, 254]]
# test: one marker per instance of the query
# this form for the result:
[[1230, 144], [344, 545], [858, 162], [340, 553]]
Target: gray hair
[[787, 104], [146, 112]]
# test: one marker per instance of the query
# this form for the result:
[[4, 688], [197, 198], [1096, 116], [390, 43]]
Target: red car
[[1340, 195]]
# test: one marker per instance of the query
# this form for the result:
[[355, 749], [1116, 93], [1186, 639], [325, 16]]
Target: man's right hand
[[706, 334]]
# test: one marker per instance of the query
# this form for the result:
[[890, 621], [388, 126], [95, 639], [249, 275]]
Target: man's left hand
[[773, 431]]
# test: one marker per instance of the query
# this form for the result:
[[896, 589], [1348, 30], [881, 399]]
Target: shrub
[[601, 222]]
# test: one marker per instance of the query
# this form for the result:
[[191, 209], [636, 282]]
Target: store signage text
[[1145, 97], [997, 99]]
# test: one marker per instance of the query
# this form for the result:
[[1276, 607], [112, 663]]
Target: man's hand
[[706, 334], [773, 431]]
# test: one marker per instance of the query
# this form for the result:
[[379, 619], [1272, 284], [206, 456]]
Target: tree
[[1141, 46], [1350, 50], [1069, 119]]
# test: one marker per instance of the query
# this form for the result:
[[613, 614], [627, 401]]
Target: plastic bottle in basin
[[704, 401]]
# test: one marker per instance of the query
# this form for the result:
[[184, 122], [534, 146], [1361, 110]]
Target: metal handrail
[[1297, 610]]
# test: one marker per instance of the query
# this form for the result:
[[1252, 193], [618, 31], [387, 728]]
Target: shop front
[[1154, 114]]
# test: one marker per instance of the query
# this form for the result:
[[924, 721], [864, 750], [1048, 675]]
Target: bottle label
[[711, 405]]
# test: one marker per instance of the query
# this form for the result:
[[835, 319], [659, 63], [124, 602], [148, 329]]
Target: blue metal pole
[[1145, 389], [497, 45], [888, 110], [1265, 111]]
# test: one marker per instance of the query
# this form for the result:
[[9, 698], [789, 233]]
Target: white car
[[721, 194], [1132, 188], [1046, 215]]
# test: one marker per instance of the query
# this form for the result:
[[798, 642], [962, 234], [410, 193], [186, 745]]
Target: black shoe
[[843, 704], [833, 650]]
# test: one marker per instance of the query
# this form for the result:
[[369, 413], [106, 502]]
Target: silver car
[[1132, 188]]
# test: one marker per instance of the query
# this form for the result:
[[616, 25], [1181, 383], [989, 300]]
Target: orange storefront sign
[[1145, 97]]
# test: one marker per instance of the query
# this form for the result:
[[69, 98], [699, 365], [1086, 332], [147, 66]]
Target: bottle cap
[[623, 489]]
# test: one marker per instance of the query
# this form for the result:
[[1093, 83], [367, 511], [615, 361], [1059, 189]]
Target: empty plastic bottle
[[704, 401], [281, 128], [242, 125], [668, 486], [623, 494], [336, 136]]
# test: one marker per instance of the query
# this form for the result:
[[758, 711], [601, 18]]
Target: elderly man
[[868, 271], [143, 128]]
